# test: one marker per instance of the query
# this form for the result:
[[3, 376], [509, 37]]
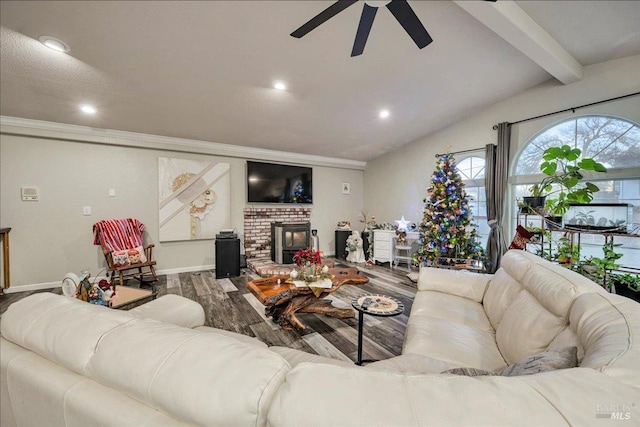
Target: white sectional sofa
[[64, 362]]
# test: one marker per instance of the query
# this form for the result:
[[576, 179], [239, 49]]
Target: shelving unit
[[573, 235]]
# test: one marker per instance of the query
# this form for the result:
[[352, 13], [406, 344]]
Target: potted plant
[[564, 176], [599, 269], [534, 203], [566, 252], [627, 285]]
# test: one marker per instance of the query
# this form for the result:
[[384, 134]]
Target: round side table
[[374, 305]]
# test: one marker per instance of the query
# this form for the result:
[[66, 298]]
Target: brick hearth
[[257, 227]]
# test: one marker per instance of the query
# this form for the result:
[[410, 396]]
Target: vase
[[309, 271]]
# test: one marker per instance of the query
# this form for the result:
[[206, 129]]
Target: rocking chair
[[122, 245]]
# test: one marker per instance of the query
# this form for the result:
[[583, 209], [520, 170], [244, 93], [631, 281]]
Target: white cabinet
[[383, 244]]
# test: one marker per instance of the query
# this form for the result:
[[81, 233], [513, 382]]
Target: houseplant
[[599, 269], [627, 285], [566, 252], [564, 179]]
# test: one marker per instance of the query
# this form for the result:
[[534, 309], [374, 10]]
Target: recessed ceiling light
[[54, 43], [280, 85], [384, 114], [88, 109]]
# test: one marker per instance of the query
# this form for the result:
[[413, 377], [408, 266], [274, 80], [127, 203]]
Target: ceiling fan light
[[383, 114], [54, 43], [280, 85]]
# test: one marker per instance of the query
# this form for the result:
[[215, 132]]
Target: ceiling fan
[[399, 8]]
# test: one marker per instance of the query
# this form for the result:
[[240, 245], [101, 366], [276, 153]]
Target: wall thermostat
[[30, 194]]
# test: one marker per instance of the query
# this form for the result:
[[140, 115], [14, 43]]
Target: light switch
[[86, 210], [112, 192]]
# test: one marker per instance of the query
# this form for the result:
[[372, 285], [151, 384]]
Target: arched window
[[612, 141], [471, 170]]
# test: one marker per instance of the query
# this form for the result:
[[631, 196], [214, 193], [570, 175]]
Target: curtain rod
[[573, 109], [463, 151]]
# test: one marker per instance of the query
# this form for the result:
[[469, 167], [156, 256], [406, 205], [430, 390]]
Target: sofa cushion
[[516, 263], [361, 397], [501, 292], [608, 327], [43, 393], [455, 282], [62, 329], [527, 328], [452, 342], [295, 357], [244, 338], [541, 309], [552, 290], [412, 364], [172, 309], [199, 378], [451, 307]]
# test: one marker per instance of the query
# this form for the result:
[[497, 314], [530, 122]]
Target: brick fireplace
[[257, 227]]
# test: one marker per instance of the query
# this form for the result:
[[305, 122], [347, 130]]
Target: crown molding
[[68, 132]]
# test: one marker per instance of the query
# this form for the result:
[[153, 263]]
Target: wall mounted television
[[278, 183]]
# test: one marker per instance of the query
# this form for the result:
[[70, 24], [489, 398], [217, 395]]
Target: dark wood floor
[[229, 305]]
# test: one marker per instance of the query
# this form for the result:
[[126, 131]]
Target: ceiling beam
[[505, 18]]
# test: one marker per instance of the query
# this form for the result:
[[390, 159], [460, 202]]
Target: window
[[614, 142], [471, 170]]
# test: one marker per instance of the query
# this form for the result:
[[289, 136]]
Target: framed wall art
[[195, 198]]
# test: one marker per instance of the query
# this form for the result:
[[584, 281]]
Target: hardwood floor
[[229, 305]]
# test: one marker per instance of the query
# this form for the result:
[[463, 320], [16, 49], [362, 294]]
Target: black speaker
[[227, 258], [341, 243]]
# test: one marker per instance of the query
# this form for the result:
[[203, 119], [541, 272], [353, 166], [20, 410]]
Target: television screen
[[276, 183]]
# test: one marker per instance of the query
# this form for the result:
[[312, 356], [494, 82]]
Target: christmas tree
[[448, 233]]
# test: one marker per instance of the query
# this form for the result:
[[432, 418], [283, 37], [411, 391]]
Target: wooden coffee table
[[283, 300]]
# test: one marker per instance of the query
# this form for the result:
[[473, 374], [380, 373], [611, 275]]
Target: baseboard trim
[[32, 287], [186, 269], [41, 286], [53, 285]]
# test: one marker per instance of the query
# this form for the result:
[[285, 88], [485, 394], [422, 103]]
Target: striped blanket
[[118, 234]]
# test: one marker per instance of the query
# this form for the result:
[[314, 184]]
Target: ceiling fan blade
[[364, 28], [410, 22], [322, 17]]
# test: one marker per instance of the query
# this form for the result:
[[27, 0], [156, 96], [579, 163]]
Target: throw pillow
[[120, 258], [128, 256], [137, 255], [549, 360], [469, 372], [520, 239]]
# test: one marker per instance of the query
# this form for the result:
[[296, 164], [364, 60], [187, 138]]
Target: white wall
[[395, 183], [52, 236]]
